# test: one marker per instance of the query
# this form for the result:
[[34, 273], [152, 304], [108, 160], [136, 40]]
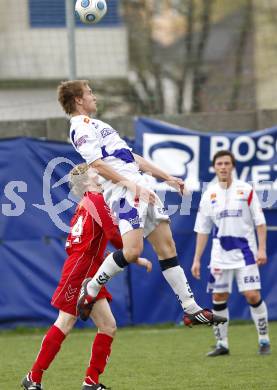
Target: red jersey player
[[91, 228]]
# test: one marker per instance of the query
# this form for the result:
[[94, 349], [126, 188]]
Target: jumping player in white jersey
[[138, 210], [231, 209]]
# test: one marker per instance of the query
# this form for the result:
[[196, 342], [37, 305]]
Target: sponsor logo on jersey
[[107, 131], [80, 141], [134, 221], [229, 213]]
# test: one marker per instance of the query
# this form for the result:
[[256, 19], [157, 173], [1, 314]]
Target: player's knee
[[166, 249], [132, 253], [65, 322], [108, 328], [220, 297], [252, 297]]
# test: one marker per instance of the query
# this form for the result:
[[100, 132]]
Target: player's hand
[[195, 268], [261, 257], [178, 184], [144, 263]]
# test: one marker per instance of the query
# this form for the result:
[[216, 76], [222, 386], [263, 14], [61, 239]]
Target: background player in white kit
[[232, 209], [139, 212]]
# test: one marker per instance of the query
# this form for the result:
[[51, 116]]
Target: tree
[[166, 70]]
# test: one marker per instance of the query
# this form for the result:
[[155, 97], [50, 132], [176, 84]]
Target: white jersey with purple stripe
[[231, 214], [95, 139]]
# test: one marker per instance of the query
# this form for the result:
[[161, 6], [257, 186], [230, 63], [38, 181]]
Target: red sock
[[100, 352], [50, 346]]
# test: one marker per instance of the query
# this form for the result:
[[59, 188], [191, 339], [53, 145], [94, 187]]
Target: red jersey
[[91, 227], [90, 230]]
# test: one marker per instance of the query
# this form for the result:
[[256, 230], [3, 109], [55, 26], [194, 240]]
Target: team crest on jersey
[[213, 198]]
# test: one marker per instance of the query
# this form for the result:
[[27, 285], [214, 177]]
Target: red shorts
[[76, 268]]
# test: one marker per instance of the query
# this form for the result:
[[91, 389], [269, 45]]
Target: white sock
[[221, 330], [177, 280], [106, 271], [260, 318]]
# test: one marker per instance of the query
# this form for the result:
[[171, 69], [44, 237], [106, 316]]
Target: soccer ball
[[91, 11]]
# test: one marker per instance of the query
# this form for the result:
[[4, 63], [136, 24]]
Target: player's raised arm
[[150, 168]]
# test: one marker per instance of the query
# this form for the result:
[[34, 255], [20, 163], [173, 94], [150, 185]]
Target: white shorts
[[247, 278], [132, 214]]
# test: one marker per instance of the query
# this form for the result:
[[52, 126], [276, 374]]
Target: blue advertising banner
[[36, 206], [188, 154]]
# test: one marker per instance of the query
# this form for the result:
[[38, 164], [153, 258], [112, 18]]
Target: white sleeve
[[204, 222], [256, 209], [86, 143]]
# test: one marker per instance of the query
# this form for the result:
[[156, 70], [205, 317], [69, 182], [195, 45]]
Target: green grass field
[[150, 358]]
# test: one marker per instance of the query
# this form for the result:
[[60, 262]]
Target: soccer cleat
[[219, 351], [28, 384], [85, 301], [264, 348], [97, 386], [204, 316]]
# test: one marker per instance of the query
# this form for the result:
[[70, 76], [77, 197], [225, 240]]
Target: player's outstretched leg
[[163, 244], [112, 265], [85, 301], [204, 316], [28, 384]]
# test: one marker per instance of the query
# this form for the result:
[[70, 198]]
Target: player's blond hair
[[78, 179], [68, 91]]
